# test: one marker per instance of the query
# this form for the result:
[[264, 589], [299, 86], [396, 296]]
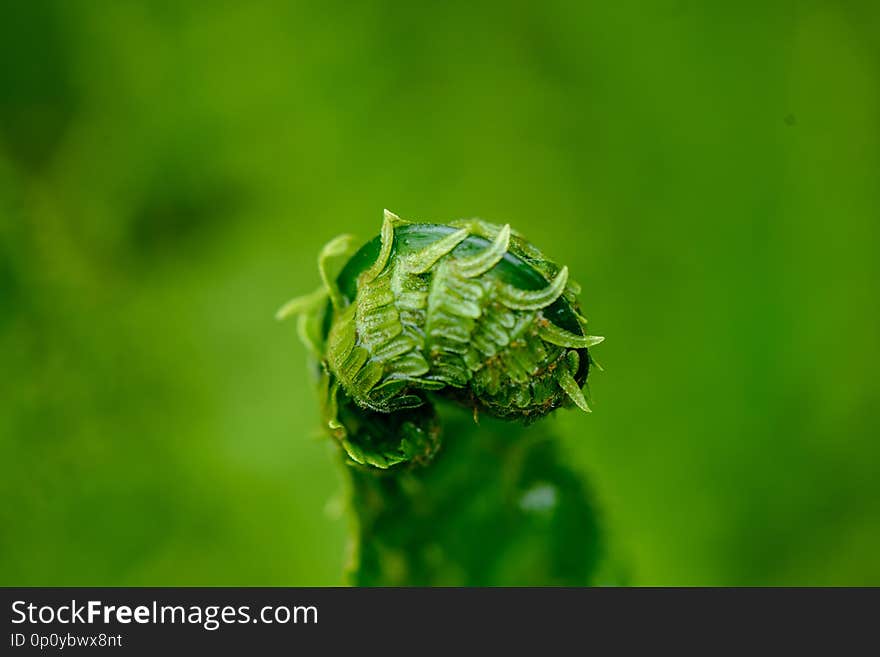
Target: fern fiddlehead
[[423, 318]]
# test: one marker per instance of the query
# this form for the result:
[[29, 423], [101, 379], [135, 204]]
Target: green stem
[[497, 506]]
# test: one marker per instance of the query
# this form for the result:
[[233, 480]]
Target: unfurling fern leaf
[[467, 313]]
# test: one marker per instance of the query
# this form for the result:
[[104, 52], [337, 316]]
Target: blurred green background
[[168, 171]]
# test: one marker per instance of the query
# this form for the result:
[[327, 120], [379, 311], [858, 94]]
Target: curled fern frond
[[467, 311]]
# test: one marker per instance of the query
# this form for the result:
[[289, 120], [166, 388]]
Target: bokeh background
[[168, 171]]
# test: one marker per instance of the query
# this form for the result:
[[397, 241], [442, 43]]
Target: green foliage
[[468, 311], [472, 313]]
